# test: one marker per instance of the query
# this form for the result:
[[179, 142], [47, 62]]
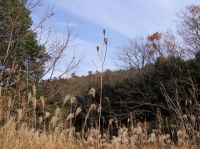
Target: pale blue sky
[[123, 19]]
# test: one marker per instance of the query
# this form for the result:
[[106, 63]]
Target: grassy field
[[23, 128], [18, 137]]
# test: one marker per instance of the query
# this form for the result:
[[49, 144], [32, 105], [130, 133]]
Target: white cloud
[[128, 17]]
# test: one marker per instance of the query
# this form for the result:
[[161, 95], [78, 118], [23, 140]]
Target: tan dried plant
[[54, 121], [78, 110], [34, 90], [69, 99], [92, 92], [29, 96], [57, 112], [34, 102], [47, 114], [181, 135], [70, 116], [40, 120], [93, 107], [42, 100]]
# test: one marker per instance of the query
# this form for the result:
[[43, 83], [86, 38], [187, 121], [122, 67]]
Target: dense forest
[[157, 85]]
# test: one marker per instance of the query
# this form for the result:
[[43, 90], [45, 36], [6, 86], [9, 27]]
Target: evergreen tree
[[19, 49]]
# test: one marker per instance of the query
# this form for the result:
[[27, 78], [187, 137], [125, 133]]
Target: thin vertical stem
[[101, 90]]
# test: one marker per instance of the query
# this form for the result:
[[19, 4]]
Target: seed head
[[34, 102], [73, 100], [98, 48], [184, 116], [70, 116], [78, 110], [34, 90], [54, 120], [105, 40], [42, 101], [69, 99], [40, 119], [104, 32], [110, 121], [47, 114], [57, 112], [92, 92], [99, 108]]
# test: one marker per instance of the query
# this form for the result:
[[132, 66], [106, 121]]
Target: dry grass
[[13, 136], [52, 131]]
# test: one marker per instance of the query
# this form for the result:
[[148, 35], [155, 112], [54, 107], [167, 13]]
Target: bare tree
[[189, 28], [163, 45], [171, 45], [58, 51], [133, 55], [141, 51]]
